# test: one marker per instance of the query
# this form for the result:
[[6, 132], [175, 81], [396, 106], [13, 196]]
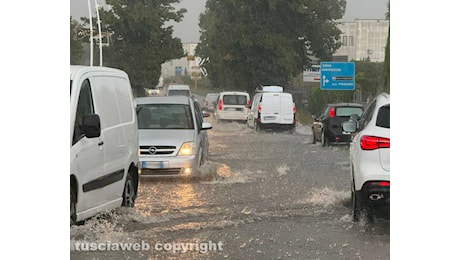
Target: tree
[[368, 77], [386, 82], [266, 42], [140, 40], [76, 48]]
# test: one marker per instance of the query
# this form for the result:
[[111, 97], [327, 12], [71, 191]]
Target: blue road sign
[[337, 75]]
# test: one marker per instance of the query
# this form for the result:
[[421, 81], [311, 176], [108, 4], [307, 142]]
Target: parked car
[[103, 142], [327, 128], [178, 89], [370, 158], [232, 105], [210, 101], [173, 140], [272, 108]]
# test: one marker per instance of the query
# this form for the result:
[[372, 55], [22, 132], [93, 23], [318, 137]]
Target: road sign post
[[337, 75]]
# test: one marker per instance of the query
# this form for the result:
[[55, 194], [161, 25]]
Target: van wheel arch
[[131, 187]]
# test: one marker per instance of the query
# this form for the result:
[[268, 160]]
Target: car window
[[383, 117], [178, 92], [85, 107], [367, 115], [235, 100], [348, 111], [198, 116], [164, 116]]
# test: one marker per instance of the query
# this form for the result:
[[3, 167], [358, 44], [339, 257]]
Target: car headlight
[[187, 149]]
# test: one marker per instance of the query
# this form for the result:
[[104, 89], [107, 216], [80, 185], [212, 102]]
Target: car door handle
[[100, 143]]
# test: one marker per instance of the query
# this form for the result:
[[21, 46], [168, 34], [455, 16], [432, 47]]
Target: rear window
[[164, 116], [235, 100], [383, 117], [348, 111], [178, 92]]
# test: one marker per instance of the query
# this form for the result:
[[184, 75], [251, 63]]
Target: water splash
[[325, 197]]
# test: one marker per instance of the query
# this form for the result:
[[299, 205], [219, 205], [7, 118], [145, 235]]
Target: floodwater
[[267, 195]]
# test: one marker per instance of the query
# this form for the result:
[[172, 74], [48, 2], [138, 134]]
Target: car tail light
[[374, 142], [221, 105], [259, 108], [294, 109], [332, 112], [380, 183], [249, 103]]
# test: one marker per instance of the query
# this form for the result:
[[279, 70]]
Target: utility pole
[[100, 34], [90, 35]]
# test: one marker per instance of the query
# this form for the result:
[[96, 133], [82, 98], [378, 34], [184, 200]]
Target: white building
[[182, 66], [363, 38]]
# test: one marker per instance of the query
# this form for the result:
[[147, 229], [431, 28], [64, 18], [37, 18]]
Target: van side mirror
[[91, 126], [206, 126]]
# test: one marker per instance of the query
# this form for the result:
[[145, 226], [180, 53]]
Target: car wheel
[[324, 140], [256, 126], [201, 162], [356, 204], [129, 194], [313, 141], [73, 208]]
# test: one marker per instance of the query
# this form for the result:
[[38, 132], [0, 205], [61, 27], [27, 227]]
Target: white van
[[176, 89], [272, 108], [232, 105], [103, 141]]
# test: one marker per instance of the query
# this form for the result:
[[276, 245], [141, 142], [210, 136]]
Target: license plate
[[269, 118], [152, 165]]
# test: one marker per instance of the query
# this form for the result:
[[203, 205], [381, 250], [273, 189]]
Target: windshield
[[164, 116]]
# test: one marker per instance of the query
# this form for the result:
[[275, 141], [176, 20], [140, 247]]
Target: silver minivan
[[173, 139]]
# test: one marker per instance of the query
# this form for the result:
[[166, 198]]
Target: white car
[[177, 89], [173, 140], [210, 101], [233, 106], [370, 158]]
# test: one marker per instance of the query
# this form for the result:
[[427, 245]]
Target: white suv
[[370, 158]]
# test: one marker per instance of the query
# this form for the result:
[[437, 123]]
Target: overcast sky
[[188, 29]]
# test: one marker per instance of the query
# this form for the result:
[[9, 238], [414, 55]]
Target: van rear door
[[286, 108], [277, 108]]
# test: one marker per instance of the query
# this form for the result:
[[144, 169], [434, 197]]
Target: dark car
[[327, 127]]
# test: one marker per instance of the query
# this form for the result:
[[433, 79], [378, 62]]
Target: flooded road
[[267, 195]]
